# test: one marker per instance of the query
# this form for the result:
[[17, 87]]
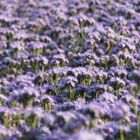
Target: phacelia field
[[69, 69]]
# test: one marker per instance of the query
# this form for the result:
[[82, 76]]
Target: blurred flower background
[[69, 69]]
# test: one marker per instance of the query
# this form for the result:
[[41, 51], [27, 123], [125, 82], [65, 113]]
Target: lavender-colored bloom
[[87, 135], [16, 46], [129, 99], [83, 19], [46, 98], [135, 76], [35, 111], [120, 110], [35, 45], [24, 96], [95, 110], [48, 88], [66, 106], [116, 83], [69, 81], [107, 97], [120, 72], [61, 58]]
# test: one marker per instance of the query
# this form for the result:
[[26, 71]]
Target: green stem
[[121, 134], [71, 93]]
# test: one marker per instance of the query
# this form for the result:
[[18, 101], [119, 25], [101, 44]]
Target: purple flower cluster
[[69, 69]]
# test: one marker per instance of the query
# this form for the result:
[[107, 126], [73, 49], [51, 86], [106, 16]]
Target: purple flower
[[68, 81], [119, 111]]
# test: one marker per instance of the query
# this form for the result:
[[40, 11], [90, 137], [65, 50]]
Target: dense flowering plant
[[69, 69]]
